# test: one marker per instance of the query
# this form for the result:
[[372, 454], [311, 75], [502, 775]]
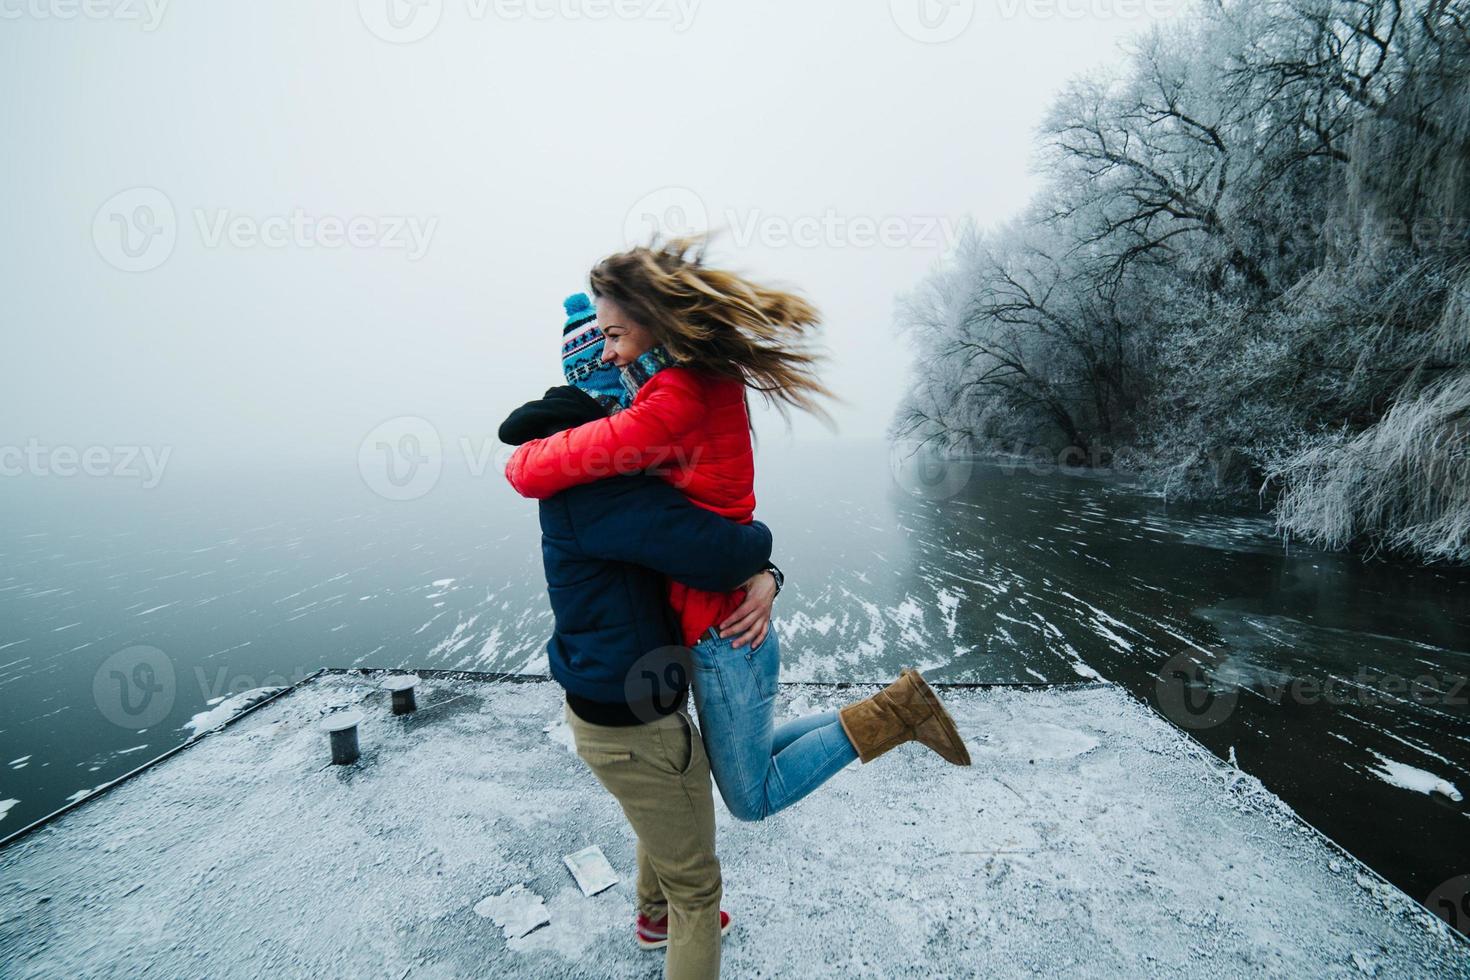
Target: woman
[[689, 340]]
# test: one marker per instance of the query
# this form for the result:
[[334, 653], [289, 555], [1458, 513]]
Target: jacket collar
[[646, 365]]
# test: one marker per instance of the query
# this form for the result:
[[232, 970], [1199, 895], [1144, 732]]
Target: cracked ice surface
[[1088, 838]]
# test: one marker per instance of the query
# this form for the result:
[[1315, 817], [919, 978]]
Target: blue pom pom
[[576, 303]]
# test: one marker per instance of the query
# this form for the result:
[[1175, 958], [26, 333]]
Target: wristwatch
[[776, 574]]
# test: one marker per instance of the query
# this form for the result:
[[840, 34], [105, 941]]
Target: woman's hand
[[753, 617]]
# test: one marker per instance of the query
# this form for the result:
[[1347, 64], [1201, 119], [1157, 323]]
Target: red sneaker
[[654, 933]]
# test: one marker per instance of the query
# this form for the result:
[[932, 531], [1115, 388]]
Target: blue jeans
[[759, 768]]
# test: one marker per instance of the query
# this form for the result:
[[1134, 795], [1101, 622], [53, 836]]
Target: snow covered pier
[[1090, 838]]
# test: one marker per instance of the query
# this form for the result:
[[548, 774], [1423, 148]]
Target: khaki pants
[[660, 776]]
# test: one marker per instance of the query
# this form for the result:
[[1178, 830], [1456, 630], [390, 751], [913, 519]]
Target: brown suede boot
[[907, 710]]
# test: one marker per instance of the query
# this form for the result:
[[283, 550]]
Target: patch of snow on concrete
[[206, 721], [559, 732], [516, 910], [1042, 740]]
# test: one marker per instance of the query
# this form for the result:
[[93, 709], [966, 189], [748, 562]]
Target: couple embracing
[[661, 581]]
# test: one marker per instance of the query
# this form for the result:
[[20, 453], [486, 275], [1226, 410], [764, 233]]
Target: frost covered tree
[[1248, 271]]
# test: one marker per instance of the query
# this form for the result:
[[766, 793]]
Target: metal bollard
[[402, 687], [342, 727]]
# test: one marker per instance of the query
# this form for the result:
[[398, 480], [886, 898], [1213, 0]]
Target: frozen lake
[[1339, 683]]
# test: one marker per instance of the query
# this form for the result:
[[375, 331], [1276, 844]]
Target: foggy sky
[[478, 171]]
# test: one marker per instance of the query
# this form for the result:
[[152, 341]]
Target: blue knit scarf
[[644, 366]]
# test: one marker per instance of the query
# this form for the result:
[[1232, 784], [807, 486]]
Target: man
[[607, 546]]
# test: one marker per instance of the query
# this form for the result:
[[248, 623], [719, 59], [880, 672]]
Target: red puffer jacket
[[692, 429]]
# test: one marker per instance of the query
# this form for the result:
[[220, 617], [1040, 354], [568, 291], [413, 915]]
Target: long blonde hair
[[717, 321]]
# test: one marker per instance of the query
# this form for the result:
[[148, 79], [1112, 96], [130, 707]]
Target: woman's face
[[624, 339]]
